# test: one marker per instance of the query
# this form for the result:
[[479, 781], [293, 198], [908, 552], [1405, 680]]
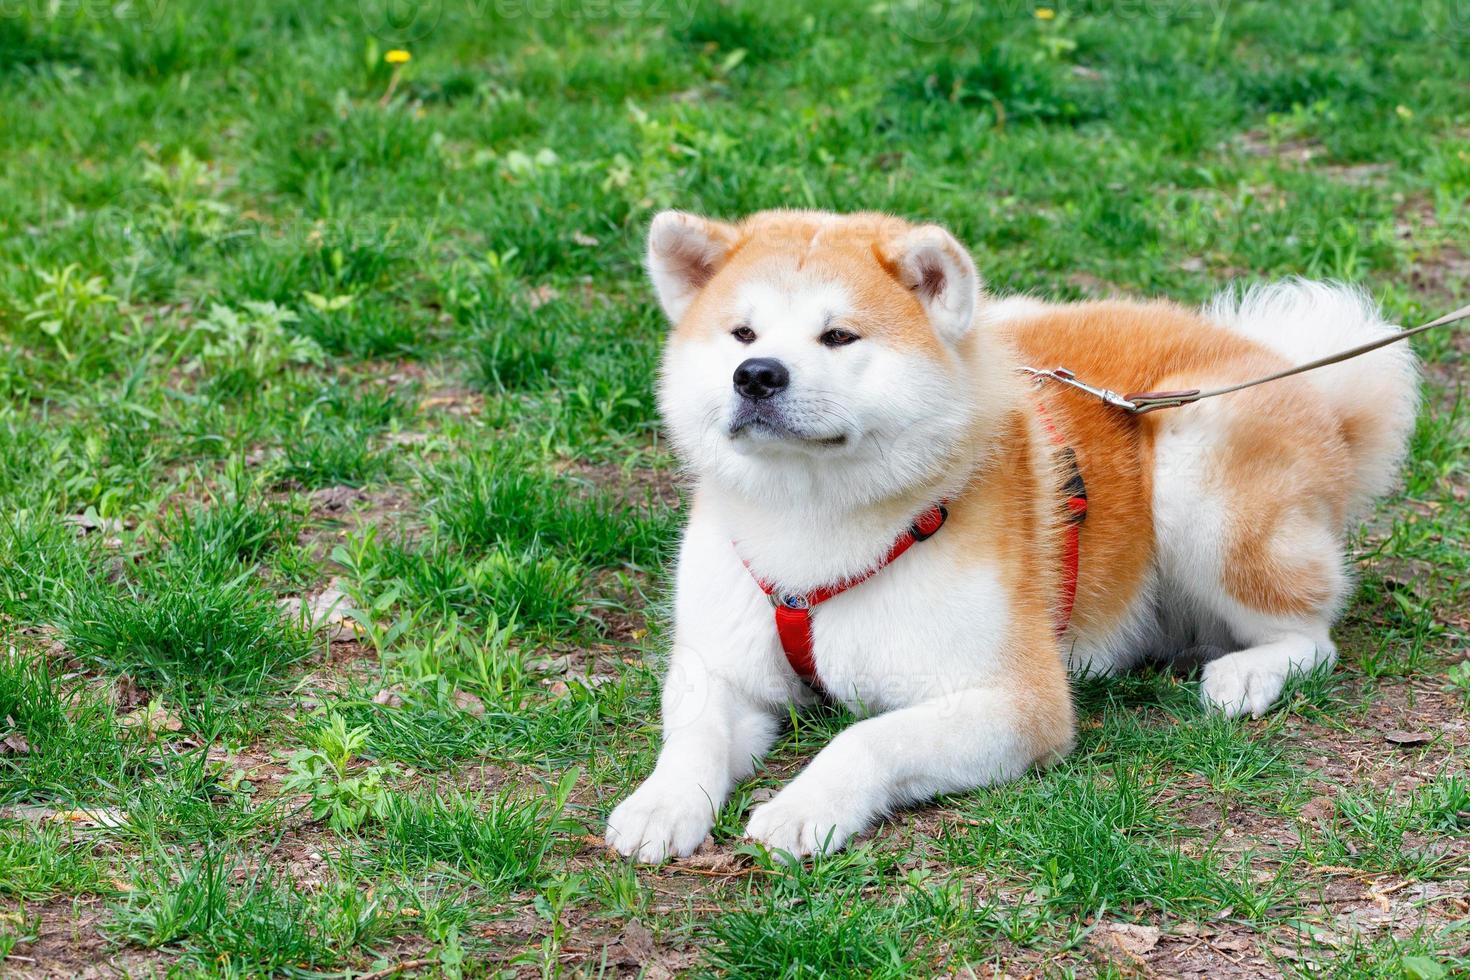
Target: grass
[[241, 921], [271, 321], [39, 863]]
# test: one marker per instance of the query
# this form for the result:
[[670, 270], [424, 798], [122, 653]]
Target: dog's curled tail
[[1375, 395]]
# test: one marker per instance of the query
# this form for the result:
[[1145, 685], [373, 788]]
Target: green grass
[[76, 748], [240, 921], [181, 630], [499, 843], [40, 862], [271, 320]]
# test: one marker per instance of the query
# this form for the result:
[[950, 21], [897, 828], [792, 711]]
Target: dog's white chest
[[919, 628]]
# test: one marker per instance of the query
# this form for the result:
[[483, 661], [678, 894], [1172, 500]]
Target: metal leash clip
[[1070, 380]]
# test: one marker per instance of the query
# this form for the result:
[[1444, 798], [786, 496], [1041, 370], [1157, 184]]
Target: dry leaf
[[14, 743], [582, 238], [89, 521], [330, 612], [407, 438], [634, 947], [711, 857], [562, 688], [1319, 809], [152, 719], [467, 702], [107, 816], [1407, 739], [1132, 940], [81, 818], [1192, 929], [336, 498], [127, 693], [389, 697], [549, 665], [540, 296]]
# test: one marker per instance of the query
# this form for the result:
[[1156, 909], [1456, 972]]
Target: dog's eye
[[743, 334], [837, 338]]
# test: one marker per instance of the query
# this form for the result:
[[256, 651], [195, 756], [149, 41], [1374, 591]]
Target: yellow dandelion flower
[[1045, 13], [397, 56]]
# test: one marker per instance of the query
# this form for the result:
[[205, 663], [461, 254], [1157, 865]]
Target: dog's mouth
[[760, 423]]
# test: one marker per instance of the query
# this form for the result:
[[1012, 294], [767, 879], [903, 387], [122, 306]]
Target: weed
[[66, 306], [341, 794]]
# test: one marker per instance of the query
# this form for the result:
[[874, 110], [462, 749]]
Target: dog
[[888, 513]]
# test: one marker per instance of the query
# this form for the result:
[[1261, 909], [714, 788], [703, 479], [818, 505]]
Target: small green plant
[[342, 797], [559, 894], [1459, 678], [187, 192], [65, 305], [242, 348]]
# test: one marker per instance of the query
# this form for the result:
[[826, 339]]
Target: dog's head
[[816, 354]]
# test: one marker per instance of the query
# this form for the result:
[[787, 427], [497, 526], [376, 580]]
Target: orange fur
[[1160, 346]]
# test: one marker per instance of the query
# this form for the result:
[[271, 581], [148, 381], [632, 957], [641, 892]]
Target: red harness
[[1076, 499], [794, 609]]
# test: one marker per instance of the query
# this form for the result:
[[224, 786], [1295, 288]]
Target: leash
[[1143, 402]]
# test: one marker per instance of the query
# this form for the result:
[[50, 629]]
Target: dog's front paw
[[662, 819], [1235, 685], [803, 821]]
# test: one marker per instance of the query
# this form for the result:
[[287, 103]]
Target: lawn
[[335, 517]]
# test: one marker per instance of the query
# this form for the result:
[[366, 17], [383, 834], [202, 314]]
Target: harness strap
[[794, 609], [1076, 512]]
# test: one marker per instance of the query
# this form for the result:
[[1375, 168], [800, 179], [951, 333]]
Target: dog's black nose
[[761, 377]]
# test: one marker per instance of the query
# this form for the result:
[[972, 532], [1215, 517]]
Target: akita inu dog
[[889, 513]]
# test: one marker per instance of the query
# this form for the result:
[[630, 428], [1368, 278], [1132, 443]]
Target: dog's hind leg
[[1280, 588], [1253, 493], [1248, 513], [1252, 679]]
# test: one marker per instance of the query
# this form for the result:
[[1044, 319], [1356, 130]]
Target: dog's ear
[[684, 252], [932, 264]]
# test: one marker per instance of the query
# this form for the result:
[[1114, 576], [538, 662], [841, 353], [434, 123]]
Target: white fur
[[918, 651], [927, 676], [683, 251], [1304, 320], [903, 418], [1250, 655], [941, 273]]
